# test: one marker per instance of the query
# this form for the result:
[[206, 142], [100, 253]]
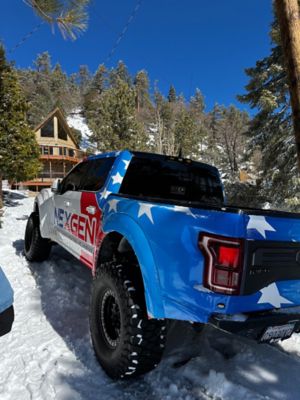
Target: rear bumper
[[255, 324], [6, 320]]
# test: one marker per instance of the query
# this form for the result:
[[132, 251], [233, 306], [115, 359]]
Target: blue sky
[[188, 43]]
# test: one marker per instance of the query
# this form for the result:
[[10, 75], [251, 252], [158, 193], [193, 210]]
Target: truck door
[[67, 209], [77, 211], [91, 214]]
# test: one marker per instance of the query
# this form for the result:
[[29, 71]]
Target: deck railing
[[61, 153]]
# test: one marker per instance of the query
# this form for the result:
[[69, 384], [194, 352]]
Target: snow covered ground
[[48, 354], [77, 121]]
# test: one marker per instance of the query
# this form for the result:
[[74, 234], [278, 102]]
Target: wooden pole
[[289, 24]]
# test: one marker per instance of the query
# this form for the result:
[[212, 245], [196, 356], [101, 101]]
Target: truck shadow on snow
[[198, 365]]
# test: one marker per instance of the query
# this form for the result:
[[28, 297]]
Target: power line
[[26, 37], [113, 30], [124, 30]]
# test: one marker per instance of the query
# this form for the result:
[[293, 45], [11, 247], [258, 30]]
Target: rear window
[[171, 179]]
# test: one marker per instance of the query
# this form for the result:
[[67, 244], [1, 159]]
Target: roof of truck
[[154, 156]]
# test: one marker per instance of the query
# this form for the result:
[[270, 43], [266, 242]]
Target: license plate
[[278, 332]]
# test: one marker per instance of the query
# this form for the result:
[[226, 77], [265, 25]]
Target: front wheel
[[125, 341], [36, 248]]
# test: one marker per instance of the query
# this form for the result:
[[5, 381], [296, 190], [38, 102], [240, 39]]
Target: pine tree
[[197, 104], [59, 88], [120, 73], [43, 63], [84, 78], [230, 131], [141, 83], [95, 89], [185, 133], [70, 16], [19, 152], [271, 128], [172, 95], [115, 126]]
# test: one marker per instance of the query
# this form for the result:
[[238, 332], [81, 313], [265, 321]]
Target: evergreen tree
[[19, 152], [197, 104], [120, 73], [43, 63], [84, 78], [172, 95], [115, 126], [95, 89], [230, 130], [186, 138], [77, 135], [59, 88], [70, 16], [141, 83], [271, 128], [37, 90]]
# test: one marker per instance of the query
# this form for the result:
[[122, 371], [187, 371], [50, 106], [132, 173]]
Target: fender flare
[[128, 228]]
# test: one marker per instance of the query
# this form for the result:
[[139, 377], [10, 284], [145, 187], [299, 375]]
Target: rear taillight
[[223, 263]]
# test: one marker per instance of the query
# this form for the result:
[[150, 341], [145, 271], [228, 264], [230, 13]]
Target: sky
[[205, 44]]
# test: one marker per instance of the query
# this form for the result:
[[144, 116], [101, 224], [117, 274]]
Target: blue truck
[[162, 244]]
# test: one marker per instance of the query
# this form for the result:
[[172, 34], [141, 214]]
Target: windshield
[[167, 178]]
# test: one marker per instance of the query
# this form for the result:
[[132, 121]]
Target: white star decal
[[105, 194], [185, 210], [260, 224], [271, 295], [126, 162], [117, 178], [113, 205], [145, 209]]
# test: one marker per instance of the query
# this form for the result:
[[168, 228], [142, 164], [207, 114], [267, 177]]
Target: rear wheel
[[125, 341], [36, 248]]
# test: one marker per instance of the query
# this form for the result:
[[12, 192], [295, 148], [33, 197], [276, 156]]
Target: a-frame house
[[58, 147]]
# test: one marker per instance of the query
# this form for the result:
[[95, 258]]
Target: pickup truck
[[162, 244]]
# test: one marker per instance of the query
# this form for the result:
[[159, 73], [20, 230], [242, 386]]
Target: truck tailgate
[[272, 249]]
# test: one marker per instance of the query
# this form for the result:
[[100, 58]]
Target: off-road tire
[[36, 248], [141, 341]]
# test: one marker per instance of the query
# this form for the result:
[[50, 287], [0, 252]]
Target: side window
[[73, 180], [96, 174]]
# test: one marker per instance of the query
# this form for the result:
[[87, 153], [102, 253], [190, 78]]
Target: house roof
[[58, 113]]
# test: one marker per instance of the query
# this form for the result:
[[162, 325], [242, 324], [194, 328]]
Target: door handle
[[91, 210], [67, 203]]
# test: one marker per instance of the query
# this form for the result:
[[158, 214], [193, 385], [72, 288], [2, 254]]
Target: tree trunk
[[289, 23], [1, 194]]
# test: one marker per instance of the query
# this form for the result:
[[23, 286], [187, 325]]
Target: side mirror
[[56, 186]]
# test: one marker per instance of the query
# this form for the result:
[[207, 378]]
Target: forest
[[255, 154]]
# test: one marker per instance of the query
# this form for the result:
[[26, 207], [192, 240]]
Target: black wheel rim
[[29, 235], [110, 318]]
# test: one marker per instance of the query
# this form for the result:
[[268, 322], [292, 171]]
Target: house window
[[48, 129], [71, 153], [62, 134], [46, 150], [62, 151], [51, 150]]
